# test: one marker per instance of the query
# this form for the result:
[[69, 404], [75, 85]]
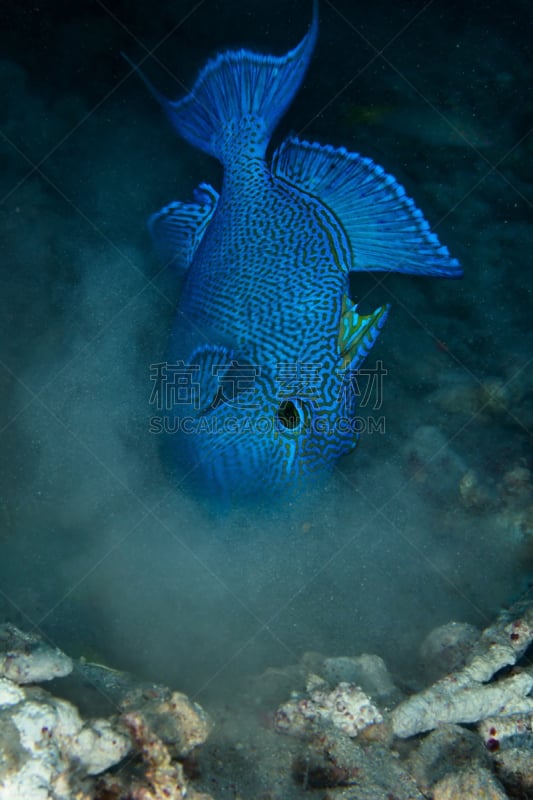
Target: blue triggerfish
[[266, 339]]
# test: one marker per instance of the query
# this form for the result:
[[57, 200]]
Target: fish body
[[266, 338]]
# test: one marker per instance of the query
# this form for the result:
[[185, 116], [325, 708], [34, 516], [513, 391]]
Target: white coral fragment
[[51, 746], [445, 702], [27, 658], [346, 707], [10, 694], [466, 695]]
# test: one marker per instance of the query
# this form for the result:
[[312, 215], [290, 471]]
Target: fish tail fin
[[239, 98]]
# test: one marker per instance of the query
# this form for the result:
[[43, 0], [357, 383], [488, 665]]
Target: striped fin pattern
[[358, 333], [385, 228], [178, 228], [238, 99]]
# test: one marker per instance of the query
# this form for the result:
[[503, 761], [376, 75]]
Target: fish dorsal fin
[[358, 332], [385, 229], [178, 228]]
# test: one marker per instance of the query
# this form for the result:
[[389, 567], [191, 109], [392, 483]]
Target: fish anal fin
[[178, 228], [358, 332]]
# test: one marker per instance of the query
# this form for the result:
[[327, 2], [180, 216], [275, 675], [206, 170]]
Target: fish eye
[[291, 415]]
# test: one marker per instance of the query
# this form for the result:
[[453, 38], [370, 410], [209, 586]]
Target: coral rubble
[[467, 695], [49, 752]]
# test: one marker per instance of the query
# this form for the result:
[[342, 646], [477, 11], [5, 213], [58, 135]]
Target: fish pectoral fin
[[208, 363], [358, 332], [221, 378], [385, 229], [178, 228]]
